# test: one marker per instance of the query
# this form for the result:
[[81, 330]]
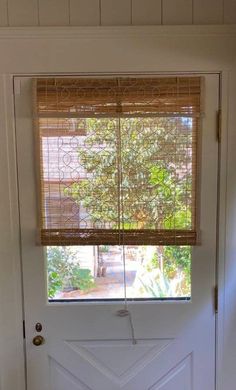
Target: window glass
[[98, 272], [117, 159]]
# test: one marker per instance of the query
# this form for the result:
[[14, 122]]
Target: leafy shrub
[[165, 272], [178, 259], [64, 271]]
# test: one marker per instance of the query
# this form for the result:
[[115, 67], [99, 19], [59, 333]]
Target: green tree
[[139, 167], [142, 168]]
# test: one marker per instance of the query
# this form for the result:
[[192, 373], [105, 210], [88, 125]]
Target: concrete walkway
[[112, 284]]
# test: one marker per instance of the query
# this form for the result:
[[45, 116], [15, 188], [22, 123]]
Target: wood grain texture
[[177, 11], [208, 11], [54, 12], [115, 12], [229, 11], [23, 12], [3, 13], [84, 12], [146, 12]]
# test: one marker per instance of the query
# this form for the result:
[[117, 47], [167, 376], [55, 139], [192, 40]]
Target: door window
[[118, 175]]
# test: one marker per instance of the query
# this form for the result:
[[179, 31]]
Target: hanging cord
[[123, 312]]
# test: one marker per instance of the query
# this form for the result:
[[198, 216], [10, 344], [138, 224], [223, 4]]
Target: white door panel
[[87, 346]]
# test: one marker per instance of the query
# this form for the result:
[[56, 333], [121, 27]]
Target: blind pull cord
[[123, 312]]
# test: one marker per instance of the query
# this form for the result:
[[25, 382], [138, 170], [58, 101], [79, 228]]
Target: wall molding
[[112, 32]]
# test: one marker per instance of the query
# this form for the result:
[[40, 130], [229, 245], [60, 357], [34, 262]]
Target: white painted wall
[[115, 12], [146, 49]]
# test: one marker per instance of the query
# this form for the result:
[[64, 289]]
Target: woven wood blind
[[118, 160]]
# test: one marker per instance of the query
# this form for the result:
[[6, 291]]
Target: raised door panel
[[117, 364]]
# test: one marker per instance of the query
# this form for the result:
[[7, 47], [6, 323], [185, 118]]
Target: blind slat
[[113, 237], [129, 96], [118, 160]]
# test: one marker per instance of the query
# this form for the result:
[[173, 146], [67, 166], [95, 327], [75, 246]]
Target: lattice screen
[[118, 160]]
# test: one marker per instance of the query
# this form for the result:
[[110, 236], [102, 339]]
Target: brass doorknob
[[38, 340]]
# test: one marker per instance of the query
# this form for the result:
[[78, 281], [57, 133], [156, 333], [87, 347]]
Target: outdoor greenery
[[140, 163], [176, 265], [145, 164], [138, 176], [64, 271], [161, 271], [177, 259]]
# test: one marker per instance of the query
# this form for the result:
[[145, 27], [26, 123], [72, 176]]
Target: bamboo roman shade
[[118, 160]]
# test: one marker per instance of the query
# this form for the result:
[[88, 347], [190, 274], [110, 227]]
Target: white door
[[87, 346]]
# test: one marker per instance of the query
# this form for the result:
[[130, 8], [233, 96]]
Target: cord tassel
[[127, 313]]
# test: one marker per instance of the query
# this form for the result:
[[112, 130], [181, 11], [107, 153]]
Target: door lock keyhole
[[38, 327]]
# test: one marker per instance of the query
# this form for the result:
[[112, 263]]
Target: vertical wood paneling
[[208, 11], [23, 12], [3, 13], [54, 12], [177, 12], [229, 11], [84, 12], [146, 12], [115, 12]]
